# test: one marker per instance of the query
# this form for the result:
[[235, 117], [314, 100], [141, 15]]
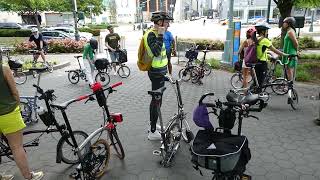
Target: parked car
[[10, 25], [29, 26], [71, 32], [47, 35]]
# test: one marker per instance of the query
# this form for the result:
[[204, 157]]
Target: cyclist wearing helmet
[[155, 48], [263, 44], [42, 46], [88, 59], [251, 38], [290, 45]]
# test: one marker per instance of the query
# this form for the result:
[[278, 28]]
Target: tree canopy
[[285, 6]]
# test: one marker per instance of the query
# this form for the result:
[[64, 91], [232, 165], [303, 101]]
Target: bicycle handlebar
[[290, 58]]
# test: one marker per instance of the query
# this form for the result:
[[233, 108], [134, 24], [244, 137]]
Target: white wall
[[10, 17], [126, 10]]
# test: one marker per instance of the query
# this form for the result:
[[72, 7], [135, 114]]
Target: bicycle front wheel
[[115, 142], [174, 134], [236, 80], [20, 77], [294, 99], [25, 112], [123, 71], [185, 74], [187, 134], [207, 69], [73, 77], [50, 67], [103, 78], [66, 148], [100, 157]]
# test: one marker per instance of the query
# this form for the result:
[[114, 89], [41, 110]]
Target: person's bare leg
[[245, 74], [290, 74], [43, 56], [170, 68], [19, 155]]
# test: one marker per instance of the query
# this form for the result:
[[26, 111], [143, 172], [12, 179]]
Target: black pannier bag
[[14, 64], [191, 54], [220, 151], [122, 56], [101, 64]]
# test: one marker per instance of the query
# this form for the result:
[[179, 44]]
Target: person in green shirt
[[263, 43], [290, 45], [88, 59]]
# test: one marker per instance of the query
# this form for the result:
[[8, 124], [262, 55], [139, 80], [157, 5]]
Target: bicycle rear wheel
[[280, 87], [123, 71], [73, 77], [20, 77], [115, 142], [66, 148], [236, 80], [294, 99], [103, 78], [195, 76], [25, 112]]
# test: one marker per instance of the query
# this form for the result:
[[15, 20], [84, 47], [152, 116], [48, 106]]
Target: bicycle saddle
[[157, 92], [78, 56], [250, 99], [39, 70]]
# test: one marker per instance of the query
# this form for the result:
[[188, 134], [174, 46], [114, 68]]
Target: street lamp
[[90, 7], [312, 19]]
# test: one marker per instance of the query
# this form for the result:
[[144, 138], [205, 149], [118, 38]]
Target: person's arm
[[119, 39], [31, 38], [293, 38], [11, 83], [277, 51], [107, 44], [155, 43], [241, 47]]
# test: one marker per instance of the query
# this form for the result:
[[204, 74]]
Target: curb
[[59, 66]]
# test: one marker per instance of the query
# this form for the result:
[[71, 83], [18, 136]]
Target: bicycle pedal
[[156, 152]]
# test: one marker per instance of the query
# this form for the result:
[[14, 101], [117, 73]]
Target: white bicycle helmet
[[34, 30]]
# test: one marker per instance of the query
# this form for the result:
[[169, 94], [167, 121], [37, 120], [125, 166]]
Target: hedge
[[15, 32], [304, 42], [101, 26], [55, 46], [183, 44], [95, 32]]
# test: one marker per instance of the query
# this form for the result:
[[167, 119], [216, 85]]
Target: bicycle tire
[[235, 80], [34, 74], [280, 89], [63, 140], [73, 77], [174, 134], [294, 99], [26, 112], [187, 134], [184, 74], [123, 71], [104, 158], [50, 67], [20, 77], [195, 77], [103, 78], [207, 69], [116, 143]]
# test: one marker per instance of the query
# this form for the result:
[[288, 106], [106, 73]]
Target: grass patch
[[11, 41], [214, 63]]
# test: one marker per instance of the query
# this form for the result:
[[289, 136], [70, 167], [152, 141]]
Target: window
[[47, 34]]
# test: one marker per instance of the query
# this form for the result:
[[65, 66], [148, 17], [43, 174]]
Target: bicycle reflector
[[116, 117]]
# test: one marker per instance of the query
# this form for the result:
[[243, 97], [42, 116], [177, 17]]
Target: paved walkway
[[285, 144]]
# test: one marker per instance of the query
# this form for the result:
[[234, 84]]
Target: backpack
[[250, 56], [144, 60]]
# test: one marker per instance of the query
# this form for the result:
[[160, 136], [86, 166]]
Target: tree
[[82, 5], [285, 8], [112, 7]]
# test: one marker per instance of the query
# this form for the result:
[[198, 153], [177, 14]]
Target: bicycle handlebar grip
[[204, 96], [116, 84], [38, 89]]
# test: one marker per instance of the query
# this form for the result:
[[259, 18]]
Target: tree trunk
[[37, 21]]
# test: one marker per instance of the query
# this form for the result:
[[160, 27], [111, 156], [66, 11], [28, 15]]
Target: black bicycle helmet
[[157, 16], [93, 43], [262, 26]]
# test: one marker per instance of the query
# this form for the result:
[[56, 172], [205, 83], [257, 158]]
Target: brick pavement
[[285, 144]]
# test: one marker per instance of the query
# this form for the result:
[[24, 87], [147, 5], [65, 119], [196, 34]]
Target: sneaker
[[4, 176], [36, 175], [154, 136]]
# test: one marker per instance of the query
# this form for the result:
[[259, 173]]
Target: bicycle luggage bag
[[14, 64], [122, 56], [219, 151], [101, 63], [191, 54]]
